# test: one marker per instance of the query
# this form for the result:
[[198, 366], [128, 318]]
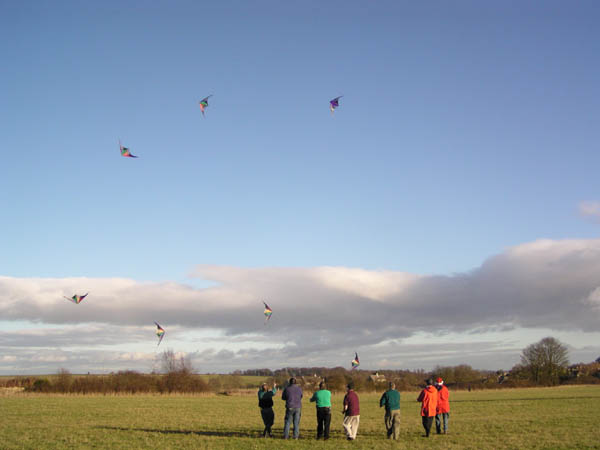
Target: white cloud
[[136, 356], [50, 357], [374, 285], [594, 298], [590, 210], [319, 314]]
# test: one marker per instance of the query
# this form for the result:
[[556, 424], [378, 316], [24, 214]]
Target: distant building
[[502, 376], [310, 382], [376, 378], [580, 370]]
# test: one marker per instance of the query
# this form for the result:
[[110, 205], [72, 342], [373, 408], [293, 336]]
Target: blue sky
[[465, 129]]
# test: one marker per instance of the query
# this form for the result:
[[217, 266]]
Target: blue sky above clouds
[[464, 149]]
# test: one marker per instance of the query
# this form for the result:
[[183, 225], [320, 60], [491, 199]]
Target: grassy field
[[561, 417]]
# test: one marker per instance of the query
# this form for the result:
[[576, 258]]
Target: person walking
[[351, 412], [428, 398], [292, 395], [265, 403], [322, 397], [443, 407], [391, 400]]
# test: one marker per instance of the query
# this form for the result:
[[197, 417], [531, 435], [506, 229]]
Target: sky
[[448, 212]]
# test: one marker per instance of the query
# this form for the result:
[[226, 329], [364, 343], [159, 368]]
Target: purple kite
[[334, 103]]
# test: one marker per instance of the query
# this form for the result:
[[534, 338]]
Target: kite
[[355, 361], [160, 333], [268, 312], [204, 103], [334, 103], [125, 151], [76, 298]]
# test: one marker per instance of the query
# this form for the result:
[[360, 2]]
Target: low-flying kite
[[334, 103], [268, 312], [76, 298], [204, 103], [125, 151], [355, 361], [160, 332]]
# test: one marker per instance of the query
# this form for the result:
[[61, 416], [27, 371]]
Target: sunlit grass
[[562, 417]]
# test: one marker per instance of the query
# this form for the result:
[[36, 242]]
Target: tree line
[[544, 363]]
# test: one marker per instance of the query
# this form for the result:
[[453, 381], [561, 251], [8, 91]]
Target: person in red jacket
[[429, 399], [443, 407]]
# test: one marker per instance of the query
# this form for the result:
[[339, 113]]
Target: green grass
[[562, 417]]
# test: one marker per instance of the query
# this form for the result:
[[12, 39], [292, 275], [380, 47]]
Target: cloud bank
[[319, 313]]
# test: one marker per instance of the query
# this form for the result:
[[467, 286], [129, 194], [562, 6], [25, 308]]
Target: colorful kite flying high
[[76, 298], [268, 312], [160, 332], [334, 103], [355, 361], [204, 103], [125, 151]]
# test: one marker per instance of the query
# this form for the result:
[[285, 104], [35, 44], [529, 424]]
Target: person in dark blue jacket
[[293, 408]]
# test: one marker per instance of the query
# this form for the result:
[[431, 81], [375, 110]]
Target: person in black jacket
[[265, 403]]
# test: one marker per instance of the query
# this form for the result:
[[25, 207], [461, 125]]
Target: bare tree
[[64, 379], [170, 363], [545, 360]]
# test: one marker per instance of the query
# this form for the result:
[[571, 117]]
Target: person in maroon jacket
[[351, 412]]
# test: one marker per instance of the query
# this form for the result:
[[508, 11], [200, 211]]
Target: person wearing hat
[[351, 412], [323, 399], [443, 407], [292, 395], [391, 400], [265, 403], [429, 399]]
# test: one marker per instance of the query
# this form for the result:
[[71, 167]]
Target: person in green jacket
[[391, 400], [265, 403], [323, 399]]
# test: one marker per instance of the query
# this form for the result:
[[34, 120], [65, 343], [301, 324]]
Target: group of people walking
[[434, 403]]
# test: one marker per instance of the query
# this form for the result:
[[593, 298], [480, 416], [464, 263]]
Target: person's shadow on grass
[[242, 434], [247, 434]]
